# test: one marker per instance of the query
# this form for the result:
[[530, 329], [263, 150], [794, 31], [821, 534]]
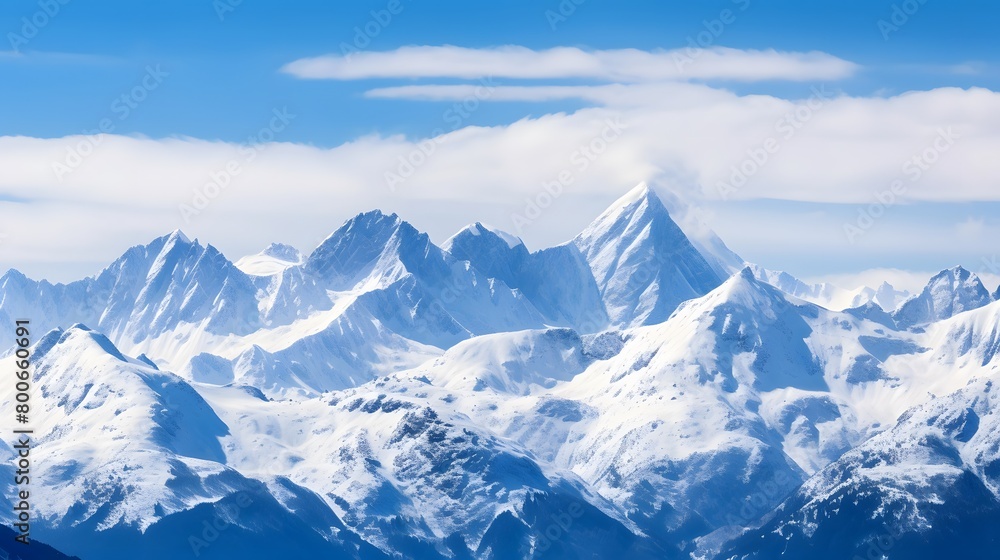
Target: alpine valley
[[633, 393]]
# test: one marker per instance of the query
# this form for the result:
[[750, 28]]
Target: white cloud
[[842, 149], [690, 136], [619, 65]]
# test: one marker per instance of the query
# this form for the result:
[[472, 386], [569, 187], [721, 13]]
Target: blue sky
[[224, 78], [224, 74]]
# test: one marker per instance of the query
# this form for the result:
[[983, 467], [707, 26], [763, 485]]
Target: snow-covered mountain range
[[632, 393]]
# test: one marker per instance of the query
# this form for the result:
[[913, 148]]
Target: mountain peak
[[495, 253], [744, 286], [82, 336], [283, 252], [13, 274], [178, 236], [175, 241], [642, 261], [637, 200], [957, 273], [371, 224], [375, 247], [636, 194], [948, 293], [357, 244], [479, 229], [376, 216]]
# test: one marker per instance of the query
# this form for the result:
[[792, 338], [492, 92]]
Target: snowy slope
[[925, 486], [755, 388], [131, 464], [275, 258], [923, 489], [409, 475], [140, 458], [678, 424]]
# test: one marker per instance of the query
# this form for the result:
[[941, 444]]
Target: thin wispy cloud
[[619, 65], [457, 92]]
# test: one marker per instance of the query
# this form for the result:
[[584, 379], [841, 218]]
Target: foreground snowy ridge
[[628, 394]]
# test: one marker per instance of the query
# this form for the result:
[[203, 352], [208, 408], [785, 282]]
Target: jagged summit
[[947, 294], [353, 250], [495, 253], [480, 229], [283, 252]]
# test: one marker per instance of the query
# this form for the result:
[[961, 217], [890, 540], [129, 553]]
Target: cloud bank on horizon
[[669, 117]]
